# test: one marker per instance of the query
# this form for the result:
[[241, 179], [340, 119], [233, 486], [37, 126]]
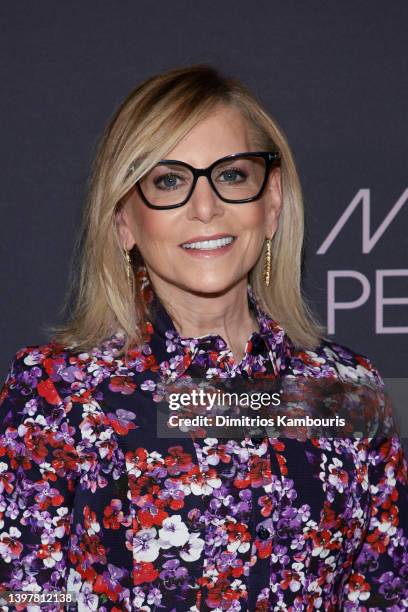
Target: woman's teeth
[[209, 244]]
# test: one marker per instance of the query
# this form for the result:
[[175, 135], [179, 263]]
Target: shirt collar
[[181, 351]]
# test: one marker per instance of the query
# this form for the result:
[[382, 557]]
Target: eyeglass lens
[[237, 179]]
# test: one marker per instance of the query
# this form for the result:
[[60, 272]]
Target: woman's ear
[[123, 229], [273, 199]]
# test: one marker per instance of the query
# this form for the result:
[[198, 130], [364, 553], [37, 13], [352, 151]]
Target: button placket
[[259, 577]]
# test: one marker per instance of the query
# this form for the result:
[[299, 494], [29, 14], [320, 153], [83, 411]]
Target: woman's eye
[[167, 181], [231, 175]]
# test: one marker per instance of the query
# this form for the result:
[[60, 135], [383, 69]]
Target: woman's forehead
[[221, 133]]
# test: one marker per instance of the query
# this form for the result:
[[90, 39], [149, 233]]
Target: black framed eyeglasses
[[236, 179]]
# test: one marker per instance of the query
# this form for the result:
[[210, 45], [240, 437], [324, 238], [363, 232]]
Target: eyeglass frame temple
[[269, 156]]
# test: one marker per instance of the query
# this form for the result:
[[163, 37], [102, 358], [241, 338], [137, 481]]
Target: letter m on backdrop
[[368, 242]]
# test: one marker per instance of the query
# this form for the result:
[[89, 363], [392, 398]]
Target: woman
[[191, 260]]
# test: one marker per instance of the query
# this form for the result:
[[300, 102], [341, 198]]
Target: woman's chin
[[210, 285]]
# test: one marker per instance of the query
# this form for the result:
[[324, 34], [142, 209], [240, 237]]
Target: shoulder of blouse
[[45, 381], [62, 376], [334, 359]]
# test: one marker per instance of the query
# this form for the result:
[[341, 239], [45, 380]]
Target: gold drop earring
[[128, 268], [267, 263]]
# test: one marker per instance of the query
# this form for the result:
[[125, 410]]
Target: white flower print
[[193, 548], [146, 546], [174, 532]]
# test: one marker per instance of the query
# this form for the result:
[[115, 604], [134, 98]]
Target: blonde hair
[[150, 122]]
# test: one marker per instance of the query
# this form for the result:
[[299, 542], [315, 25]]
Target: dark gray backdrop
[[333, 74]]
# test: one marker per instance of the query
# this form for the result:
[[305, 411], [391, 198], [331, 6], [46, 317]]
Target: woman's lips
[[207, 253], [204, 238]]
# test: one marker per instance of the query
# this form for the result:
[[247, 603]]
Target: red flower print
[[103, 584], [266, 503], [65, 459], [90, 520], [50, 553], [52, 365], [113, 515], [144, 572], [151, 513], [238, 537], [358, 588], [219, 451], [242, 480], [121, 426], [292, 580], [47, 496], [47, 390], [122, 384], [6, 480], [282, 464], [260, 471], [35, 440], [378, 540], [178, 460], [10, 544], [264, 547], [136, 461]]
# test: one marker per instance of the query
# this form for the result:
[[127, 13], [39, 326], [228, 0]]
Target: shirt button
[[263, 533]]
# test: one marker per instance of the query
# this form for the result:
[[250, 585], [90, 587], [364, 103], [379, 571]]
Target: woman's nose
[[204, 202]]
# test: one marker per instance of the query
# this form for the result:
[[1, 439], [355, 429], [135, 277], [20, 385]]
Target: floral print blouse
[[93, 502]]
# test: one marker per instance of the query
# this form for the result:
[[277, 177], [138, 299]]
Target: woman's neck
[[197, 314]]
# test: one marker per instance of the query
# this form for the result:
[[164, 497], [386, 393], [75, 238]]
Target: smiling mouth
[[209, 245]]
